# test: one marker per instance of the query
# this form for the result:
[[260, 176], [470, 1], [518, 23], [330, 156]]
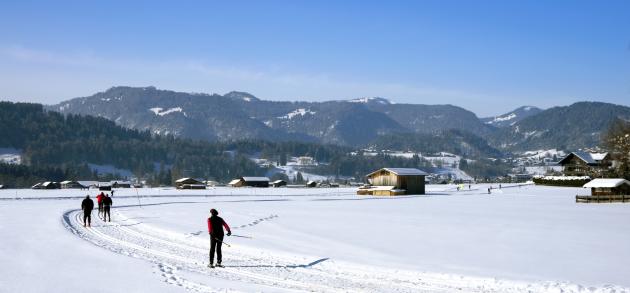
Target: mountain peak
[[512, 117], [371, 100], [247, 97]]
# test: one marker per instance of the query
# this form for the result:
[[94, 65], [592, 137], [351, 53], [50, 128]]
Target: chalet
[[189, 183], [395, 181], [585, 163], [279, 183], [68, 184], [250, 181], [606, 190]]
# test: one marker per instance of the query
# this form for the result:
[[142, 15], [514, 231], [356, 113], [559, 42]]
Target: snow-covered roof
[[234, 181], [403, 171], [606, 183], [255, 178], [278, 181], [589, 158], [180, 180]]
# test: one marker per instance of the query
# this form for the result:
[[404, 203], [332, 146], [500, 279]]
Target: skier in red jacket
[[215, 229], [99, 200]]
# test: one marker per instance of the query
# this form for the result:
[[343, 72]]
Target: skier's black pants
[[216, 244], [106, 213], [87, 215]]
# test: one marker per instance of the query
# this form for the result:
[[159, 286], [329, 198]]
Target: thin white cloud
[[93, 73]]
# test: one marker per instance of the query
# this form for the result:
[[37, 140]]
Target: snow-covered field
[[518, 239]]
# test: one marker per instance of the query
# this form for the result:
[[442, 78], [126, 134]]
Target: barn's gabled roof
[[256, 179], [606, 183], [403, 171], [589, 158]]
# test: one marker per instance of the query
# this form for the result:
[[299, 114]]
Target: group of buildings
[[71, 184]]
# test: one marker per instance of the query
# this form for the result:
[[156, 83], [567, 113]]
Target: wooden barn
[[250, 181], [585, 163], [606, 190], [395, 181], [189, 183]]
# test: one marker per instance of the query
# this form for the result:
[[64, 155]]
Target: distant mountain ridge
[[356, 122], [239, 115], [572, 127], [512, 117]]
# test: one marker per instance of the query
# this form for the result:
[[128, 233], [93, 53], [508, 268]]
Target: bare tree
[[617, 140]]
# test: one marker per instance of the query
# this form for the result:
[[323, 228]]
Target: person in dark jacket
[[87, 205], [107, 204], [215, 229]]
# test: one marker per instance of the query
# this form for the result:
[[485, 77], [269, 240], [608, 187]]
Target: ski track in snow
[[173, 253]]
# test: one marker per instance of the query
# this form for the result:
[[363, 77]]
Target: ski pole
[[217, 239], [242, 236]]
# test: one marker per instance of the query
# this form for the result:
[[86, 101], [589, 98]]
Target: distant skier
[[99, 200], [215, 229], [489, 190], [87, 205], [107, 204]]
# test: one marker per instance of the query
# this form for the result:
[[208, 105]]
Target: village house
[[395, 181], [250, 181], [585, 163]]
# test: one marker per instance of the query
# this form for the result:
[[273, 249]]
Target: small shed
[[250, 181], [279, 183], [395, 181], [189, 183], [311, 183], [609, 186]]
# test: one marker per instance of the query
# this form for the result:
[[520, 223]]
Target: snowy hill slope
[[446, 241]]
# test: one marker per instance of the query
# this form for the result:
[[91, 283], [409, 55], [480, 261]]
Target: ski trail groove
[[175, 252]]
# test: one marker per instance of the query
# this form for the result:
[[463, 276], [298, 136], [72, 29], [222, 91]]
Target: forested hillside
[[59, 147]]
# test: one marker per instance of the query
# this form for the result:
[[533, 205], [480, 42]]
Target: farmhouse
[[395, 181], [189, 183], [250, 181], [606, 190], [585, 163]]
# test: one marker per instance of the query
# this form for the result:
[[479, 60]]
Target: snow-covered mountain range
[[355, 122]]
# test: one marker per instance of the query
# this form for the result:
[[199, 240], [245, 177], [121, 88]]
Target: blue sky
[[486, 56]]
